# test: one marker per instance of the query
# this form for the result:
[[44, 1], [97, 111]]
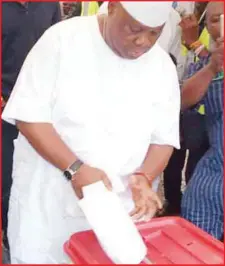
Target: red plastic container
[[170, 240]]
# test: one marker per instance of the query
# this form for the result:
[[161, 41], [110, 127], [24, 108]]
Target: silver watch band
[[74, 167]]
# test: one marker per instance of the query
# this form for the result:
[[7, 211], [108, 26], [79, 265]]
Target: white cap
[[151, 14]]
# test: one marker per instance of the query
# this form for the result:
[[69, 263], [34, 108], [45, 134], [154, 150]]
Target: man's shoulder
[[69, 28], [163, 60], [164, 74], [169, 76]]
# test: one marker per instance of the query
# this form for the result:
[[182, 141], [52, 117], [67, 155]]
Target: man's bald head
[[213, 12]]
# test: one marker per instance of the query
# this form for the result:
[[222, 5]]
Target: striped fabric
[[202, 202]]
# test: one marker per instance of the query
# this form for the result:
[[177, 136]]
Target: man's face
[[214, 10], [127, 37]]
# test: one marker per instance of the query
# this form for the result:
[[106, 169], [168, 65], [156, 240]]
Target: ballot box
[[170, 240]]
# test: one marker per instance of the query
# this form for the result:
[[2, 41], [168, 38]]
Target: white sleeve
[[167, 111], [32, 96]]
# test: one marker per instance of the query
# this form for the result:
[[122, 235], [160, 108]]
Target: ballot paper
[[112, 225]]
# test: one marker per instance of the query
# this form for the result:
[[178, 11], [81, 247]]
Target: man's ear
[[112, 7]]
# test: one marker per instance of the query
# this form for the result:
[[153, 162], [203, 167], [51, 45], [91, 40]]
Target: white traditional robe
[[108, 110]]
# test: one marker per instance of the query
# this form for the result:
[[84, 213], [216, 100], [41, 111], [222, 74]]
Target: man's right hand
[[217, 57], [87, 175]]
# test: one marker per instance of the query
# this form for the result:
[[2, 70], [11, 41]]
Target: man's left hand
[[146, 200]]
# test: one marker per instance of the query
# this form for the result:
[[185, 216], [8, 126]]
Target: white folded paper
[[112, 225]]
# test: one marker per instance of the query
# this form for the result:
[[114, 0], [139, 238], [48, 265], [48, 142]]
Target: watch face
[[68, 175]]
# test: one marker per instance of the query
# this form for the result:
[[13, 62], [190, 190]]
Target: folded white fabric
[[112, 225]]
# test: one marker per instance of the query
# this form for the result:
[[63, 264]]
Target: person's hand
[[145, 199], [190, 29], [217, 57], [87, 175]]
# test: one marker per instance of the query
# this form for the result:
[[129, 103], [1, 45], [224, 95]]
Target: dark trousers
[[172, 178], [173, 173], [9, 133]]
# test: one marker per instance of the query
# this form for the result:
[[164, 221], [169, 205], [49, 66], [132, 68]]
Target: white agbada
[[105, 108]]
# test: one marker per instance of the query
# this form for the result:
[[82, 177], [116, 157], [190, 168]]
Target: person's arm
[[164, 137], [30, 108], [146, 200], [156, 160], [190, 35], [30, 104], [46, 141], [166, 134], [195, 87]]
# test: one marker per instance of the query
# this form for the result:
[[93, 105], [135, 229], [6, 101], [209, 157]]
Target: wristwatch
[[72, 170]]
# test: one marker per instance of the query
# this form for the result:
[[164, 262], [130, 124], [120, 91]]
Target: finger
[[140, 214], [135, 211], [78, 193], [107, 183], [157, 201], [151, 211]]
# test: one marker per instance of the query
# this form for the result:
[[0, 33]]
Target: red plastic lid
[[170, 240]]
